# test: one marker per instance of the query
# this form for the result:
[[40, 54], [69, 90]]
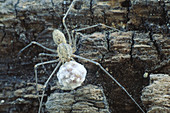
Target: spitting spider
[[65, 57]]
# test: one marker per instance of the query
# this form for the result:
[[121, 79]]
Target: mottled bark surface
[[142, 44], [156, 96], [86, 99]]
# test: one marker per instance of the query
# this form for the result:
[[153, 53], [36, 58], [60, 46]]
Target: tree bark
[[140, 45]]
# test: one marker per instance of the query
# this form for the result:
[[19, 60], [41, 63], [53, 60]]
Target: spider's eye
[[59, 40]]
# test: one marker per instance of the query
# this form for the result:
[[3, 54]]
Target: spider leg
[[70, 41], [45, 85], [45, 31], [75, 39], [38, 44], [47, 54], [35, 70], [96, 25], [78, 32], [76, 56]]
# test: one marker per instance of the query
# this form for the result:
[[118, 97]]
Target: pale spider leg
[[75, 40], [76, 56], [45, 31], [84, 36], [77, 31], [36, 75], [96, 25], [38, 44], [47, 54], [70, 41], [43, 66], [45, 85]]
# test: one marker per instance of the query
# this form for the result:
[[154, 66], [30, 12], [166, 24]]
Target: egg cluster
[[71, 75]]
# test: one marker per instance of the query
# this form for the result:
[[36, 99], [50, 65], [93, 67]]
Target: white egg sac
[[71, 75]]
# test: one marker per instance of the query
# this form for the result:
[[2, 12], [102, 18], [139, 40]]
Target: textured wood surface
[[141, 45], [156, 95], [86, 99]]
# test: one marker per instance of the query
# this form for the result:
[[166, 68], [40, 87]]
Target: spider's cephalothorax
[[58, 37], [64, 50]]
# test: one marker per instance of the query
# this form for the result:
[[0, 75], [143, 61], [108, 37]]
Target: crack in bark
[[104, 15], [91, 10], [132, 46], [148, 27], [164, 15], [15, 8], [157, 46], [3, 29], [107, 36], [52, 3], [127, 4]]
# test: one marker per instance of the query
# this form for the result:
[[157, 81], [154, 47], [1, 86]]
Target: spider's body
[[64, 50]]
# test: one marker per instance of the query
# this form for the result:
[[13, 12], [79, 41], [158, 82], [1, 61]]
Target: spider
[[65, 53]]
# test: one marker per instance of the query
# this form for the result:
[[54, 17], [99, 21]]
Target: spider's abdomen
[[64, 52]]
